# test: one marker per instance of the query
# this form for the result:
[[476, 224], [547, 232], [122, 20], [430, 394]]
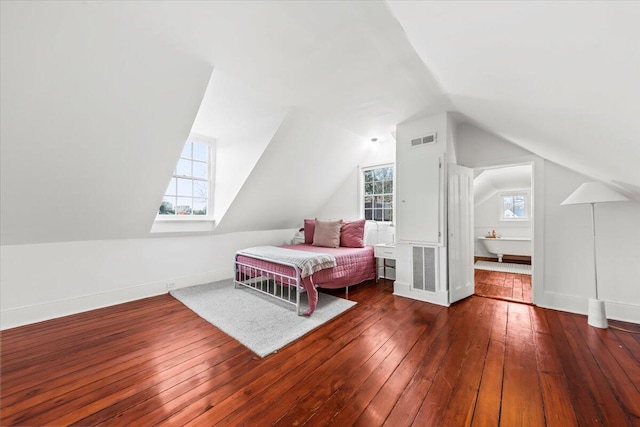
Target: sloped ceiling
[[558, 78], [281, 194], [94, 115], [242, 125], [348, 62], [93, 90], [491, 181], [98, 97]]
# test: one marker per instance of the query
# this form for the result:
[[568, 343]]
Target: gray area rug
[[259, 322]]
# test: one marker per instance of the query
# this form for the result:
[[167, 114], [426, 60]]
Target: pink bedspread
[[354, 265]]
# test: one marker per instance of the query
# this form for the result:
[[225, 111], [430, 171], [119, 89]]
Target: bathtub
[[507, 246]]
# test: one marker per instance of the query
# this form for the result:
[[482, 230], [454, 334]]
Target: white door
[[460, 227]]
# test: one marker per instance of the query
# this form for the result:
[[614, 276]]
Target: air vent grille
[[424, 269], [424, 140]]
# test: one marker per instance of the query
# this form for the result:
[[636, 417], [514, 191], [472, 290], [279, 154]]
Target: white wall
[[94, 116], [73, 277], [345, 201], [569, 277], [476, 146], [567, 260], [486, 219], [44, 281], [305, 163], [243, 125]]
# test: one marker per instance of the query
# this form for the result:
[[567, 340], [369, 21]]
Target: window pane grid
[[378, 193], [188, 190], [514, 206]]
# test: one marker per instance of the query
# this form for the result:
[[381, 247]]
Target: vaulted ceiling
[[99, 95], [558, 78]]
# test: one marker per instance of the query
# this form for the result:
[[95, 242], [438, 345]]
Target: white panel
[[417, 199], [460, 226]]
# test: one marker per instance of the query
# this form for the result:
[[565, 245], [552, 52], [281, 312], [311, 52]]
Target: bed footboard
[[285, 287]]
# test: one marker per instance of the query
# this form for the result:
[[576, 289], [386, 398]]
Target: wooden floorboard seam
[[388, 361]]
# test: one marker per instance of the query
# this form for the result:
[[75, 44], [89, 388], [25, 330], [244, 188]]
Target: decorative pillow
[[309, 229], [352, 234], [327, 233]]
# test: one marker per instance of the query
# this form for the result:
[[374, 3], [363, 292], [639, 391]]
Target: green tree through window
[[378, 193]]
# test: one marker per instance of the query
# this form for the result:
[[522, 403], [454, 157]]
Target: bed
[[286, 279]]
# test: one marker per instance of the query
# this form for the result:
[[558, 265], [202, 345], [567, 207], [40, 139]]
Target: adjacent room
[[310, 213], [503, 232]]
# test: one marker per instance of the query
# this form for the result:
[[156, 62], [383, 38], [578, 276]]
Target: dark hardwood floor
[[388, 361], [509, 286]]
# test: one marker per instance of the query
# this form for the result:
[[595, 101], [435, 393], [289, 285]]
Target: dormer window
[[189, 191]]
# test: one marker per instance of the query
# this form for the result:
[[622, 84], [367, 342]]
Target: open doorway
[[503, 230]]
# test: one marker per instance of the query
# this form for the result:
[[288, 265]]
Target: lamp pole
[[597, 315], [592, 193]]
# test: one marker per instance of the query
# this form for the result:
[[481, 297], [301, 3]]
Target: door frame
[[537, 213]]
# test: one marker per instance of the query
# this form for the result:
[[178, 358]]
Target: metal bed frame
[[277, 285]]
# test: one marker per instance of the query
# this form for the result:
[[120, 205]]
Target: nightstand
[[384, 251]]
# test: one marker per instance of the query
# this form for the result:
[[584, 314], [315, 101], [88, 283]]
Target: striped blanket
[[307, 262]]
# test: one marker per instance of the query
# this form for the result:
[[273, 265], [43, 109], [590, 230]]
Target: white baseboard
[[19, 316], [578, 305], [572, 304], [404, 290]]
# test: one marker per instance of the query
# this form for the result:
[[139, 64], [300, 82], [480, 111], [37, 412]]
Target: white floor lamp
[[592, 193]]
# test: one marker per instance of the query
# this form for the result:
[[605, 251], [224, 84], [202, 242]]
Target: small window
[[189, 191], [514, 207], [377, 192]]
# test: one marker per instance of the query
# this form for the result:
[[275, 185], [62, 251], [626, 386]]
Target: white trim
[[404, 290], [578, 305], [537, 227], [536, 217], [196, 218], [18, 316], [180, 227]]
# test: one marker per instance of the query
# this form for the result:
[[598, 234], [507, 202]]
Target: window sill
[[183, 226]]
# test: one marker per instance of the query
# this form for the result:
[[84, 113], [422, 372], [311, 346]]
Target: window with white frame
[[377, 192], [514, 207], [189, 192]]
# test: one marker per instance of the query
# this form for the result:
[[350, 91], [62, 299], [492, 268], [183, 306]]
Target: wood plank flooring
[[389, 361], [508, 286]]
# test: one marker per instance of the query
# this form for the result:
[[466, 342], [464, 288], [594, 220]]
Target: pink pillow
[[309, 229], [352, 234], [327, 233]]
